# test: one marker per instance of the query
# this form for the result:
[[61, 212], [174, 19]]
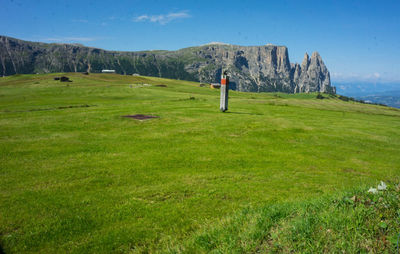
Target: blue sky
[[358, 40]]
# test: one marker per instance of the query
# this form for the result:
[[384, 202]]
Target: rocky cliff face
[[256, 68]]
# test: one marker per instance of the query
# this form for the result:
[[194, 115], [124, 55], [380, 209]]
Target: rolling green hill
[[268, 175]]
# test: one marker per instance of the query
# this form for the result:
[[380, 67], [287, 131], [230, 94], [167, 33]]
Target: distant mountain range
[[382, 93], [364, 88], [390, 98], [251, 68]]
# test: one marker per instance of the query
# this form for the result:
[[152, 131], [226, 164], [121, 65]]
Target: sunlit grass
[[75, 176]]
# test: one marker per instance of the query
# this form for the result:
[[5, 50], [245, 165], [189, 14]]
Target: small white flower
[[382, 186], [373, 190]]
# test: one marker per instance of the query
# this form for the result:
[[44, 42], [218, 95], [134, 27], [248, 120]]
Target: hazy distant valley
[[382, 93]]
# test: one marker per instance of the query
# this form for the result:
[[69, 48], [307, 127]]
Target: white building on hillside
[[108, 71]]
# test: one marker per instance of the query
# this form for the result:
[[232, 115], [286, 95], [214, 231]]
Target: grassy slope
[[85, 179], [354, 221]]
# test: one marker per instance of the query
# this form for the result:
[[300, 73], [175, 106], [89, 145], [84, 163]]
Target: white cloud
[[372, 77], [141, 18], [162, 18]]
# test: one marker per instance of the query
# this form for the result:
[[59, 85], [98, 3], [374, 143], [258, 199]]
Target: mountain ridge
[[264, 68]]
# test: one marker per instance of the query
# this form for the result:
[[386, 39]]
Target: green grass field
[[77, 177]]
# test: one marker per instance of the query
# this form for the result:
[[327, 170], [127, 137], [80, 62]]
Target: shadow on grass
[[47, 109], [1, 250], [243, 113]]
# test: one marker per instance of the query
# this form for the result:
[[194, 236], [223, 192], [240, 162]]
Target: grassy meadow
[[77, 177]]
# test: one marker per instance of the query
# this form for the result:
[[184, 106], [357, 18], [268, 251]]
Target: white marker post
[[224, 92]]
